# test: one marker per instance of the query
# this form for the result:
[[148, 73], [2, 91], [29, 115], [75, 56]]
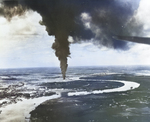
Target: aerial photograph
[[74, 60]]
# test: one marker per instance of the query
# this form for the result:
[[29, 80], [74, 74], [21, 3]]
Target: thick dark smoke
[[11, 8], [84, 20]]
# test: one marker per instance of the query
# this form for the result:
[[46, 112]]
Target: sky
[[27, 44]]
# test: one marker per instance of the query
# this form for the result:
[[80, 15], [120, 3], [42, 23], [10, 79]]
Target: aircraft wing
[[143, 40]]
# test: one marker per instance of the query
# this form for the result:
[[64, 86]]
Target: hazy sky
[[27, 44]]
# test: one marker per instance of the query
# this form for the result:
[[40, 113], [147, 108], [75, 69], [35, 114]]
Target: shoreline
[[20, 112], [128, 85]]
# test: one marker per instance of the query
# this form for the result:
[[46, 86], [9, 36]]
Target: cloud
[[143, 14], [24, 43]]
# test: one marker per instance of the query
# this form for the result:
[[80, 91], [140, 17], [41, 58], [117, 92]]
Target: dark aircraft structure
[[143, 40]]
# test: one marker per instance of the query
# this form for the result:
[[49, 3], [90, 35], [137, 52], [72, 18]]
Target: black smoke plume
[[94, 20]]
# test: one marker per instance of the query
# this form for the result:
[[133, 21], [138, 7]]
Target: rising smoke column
[[59, 22], [63, 18], [61, 46]]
